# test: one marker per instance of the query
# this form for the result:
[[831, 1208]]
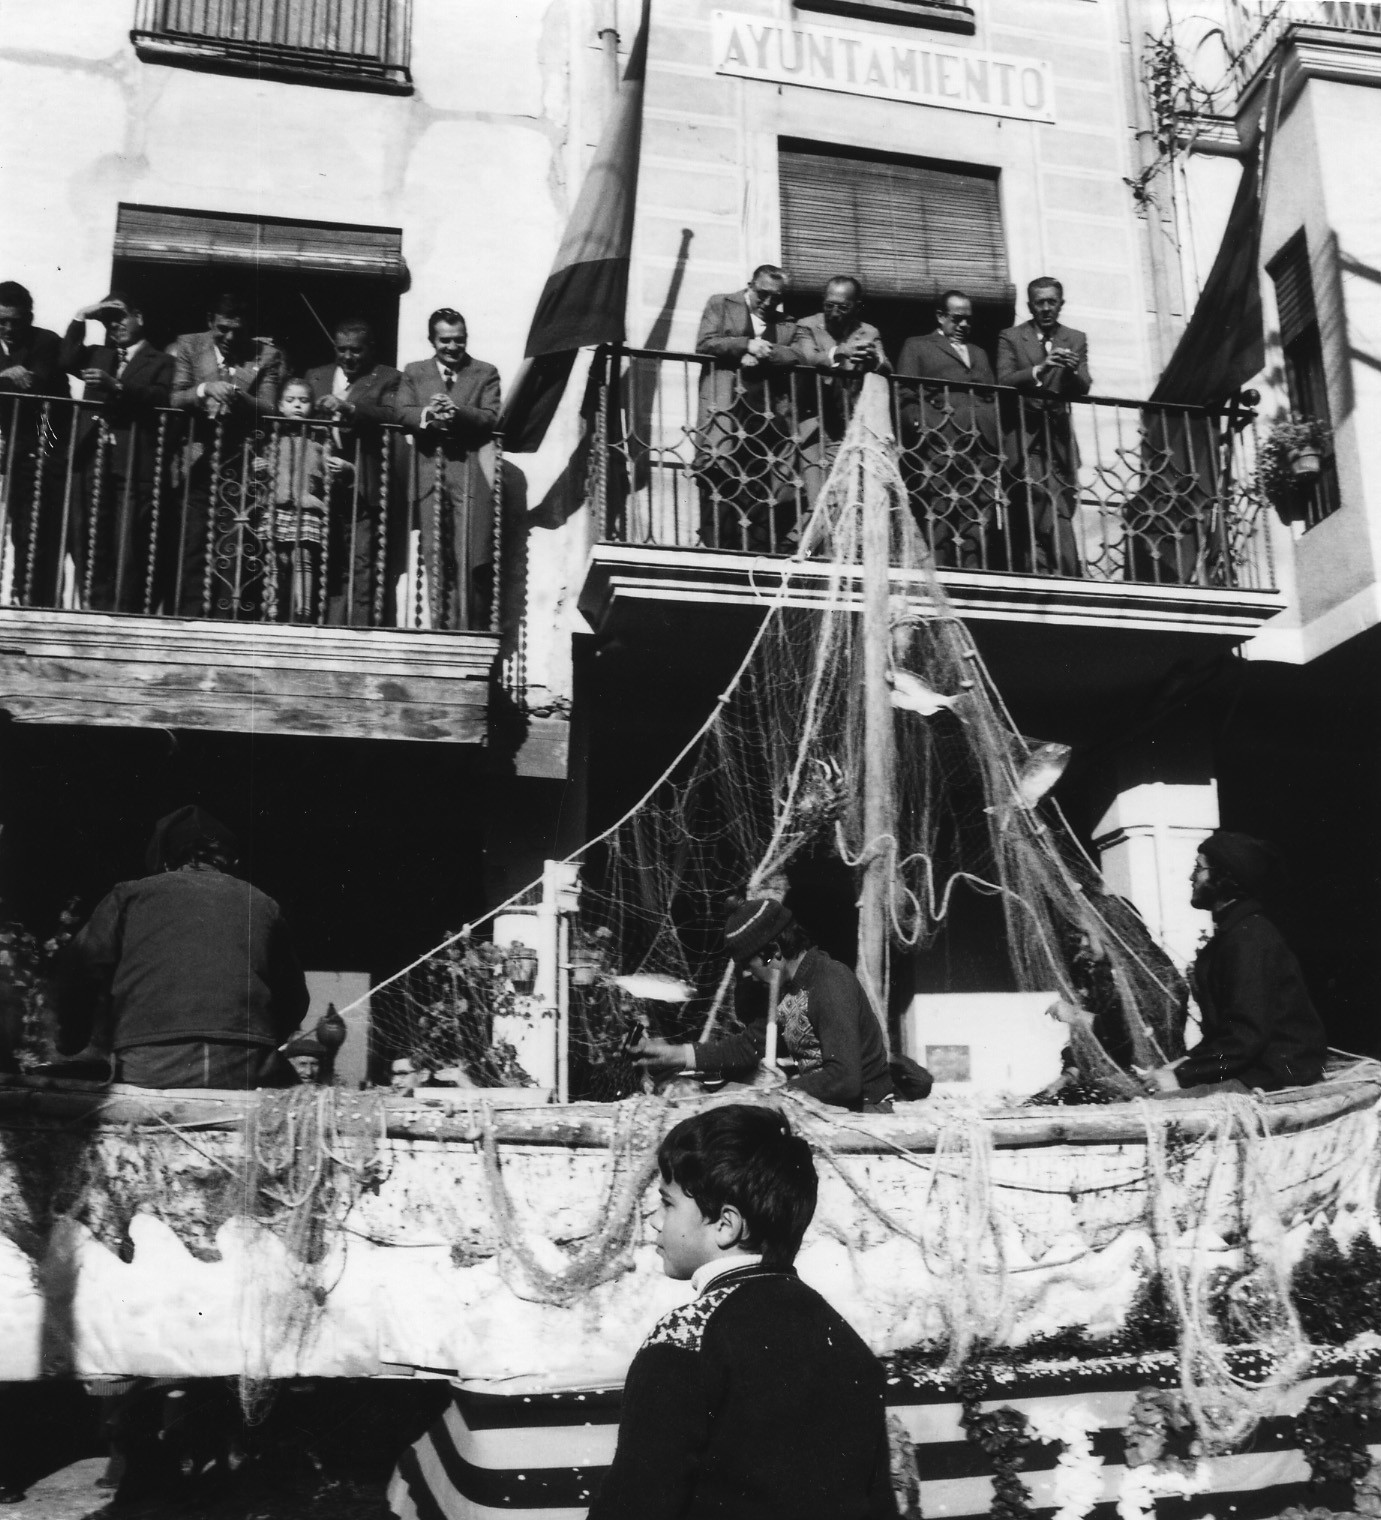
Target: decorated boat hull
[[509, 1247]]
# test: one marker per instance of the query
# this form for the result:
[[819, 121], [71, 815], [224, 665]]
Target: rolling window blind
[[165, 236], [1294, 288], [907, 230]]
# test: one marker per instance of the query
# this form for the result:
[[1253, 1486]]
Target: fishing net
[[775, 781], [308, 1154]]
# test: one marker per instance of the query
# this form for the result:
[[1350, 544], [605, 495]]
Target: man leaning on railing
[[117, 455], [1048, 363], [951, 452], [227, 379], [368, 520], [31, 465], [743, 429], [840, 347]]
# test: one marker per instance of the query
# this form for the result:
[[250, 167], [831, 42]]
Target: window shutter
[[1294, 288], [164, 236], [907, 229]]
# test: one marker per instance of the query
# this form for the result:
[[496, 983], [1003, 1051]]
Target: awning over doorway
[[163, 235]]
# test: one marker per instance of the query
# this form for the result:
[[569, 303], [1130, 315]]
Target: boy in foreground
[[756, 1399]]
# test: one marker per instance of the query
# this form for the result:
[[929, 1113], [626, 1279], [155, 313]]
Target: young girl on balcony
[[299, 469]]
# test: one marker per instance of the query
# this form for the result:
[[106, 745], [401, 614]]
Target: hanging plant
[[1289, 461]]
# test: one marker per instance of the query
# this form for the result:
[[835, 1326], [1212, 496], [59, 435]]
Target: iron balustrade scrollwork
[[244, 518], [689, 454]]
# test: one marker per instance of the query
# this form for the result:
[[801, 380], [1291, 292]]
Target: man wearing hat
[[825, 1018], [1260, 1029], [194, 965]]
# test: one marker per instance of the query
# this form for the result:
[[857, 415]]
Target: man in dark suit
[[119, 455], [952, 456], [1048, 364], [34, 453], [367, 521], [228, 381], [743, 458], [840, 348], [450, 404]]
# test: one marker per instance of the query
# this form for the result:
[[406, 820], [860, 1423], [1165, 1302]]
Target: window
[[933, 15], [357, 44], [1303, 354], [301, 275], [909, 228]]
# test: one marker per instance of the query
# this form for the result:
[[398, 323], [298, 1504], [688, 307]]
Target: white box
[[986, 1041]]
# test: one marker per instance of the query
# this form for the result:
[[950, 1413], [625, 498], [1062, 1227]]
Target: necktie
[[960, 349], [448, 377], [121, 359]]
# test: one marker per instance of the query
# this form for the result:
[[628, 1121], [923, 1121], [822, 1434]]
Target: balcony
[[1255, 27], [930, 15], [263, 576], [350, 44], [1063, 537]]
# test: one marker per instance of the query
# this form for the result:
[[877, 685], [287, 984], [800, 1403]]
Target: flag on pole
[[586, 292]]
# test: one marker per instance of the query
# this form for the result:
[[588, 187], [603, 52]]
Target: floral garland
[[1078, 1481], [1001, 1435], [1331, 1430]]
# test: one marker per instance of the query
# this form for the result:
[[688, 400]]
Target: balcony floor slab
[[372, 683], [620, 577]]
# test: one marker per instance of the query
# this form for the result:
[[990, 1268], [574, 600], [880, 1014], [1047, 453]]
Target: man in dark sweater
[[755, 1401], [1260, 1029], [193, 966], [823, 1014]]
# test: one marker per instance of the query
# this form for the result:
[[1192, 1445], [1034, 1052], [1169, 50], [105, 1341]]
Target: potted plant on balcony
[[1289, 461]]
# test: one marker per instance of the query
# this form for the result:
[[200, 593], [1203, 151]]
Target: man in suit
[[450, 404], [228, 381], [1048, 363], [118, 452], [952, 456], [366, 524], [34, 452], [840, 348], [743, 459]]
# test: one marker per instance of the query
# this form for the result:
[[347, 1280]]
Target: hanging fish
[[654, 987], [911, 694], [1041, 769]]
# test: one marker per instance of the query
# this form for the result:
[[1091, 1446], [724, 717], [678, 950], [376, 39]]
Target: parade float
[[1085, 1305]]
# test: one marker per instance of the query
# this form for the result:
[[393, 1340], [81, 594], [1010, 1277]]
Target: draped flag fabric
[[1223, 345], [586, 292]]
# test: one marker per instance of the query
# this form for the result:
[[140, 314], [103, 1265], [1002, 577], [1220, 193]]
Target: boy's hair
[[746, 1156], [791, 942], [295, 383]]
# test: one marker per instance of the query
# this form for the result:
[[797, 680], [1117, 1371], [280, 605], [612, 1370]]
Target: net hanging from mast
[[775, 779]]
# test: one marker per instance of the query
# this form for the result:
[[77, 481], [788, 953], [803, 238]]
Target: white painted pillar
[[1146, 843]]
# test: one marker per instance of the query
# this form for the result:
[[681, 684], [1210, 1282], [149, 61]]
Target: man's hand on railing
[[336, 407], [99, 382]]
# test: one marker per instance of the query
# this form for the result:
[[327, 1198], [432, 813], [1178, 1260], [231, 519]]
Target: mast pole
[[879, 754]]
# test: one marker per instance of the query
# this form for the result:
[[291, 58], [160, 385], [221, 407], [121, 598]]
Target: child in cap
[[756, 1401]]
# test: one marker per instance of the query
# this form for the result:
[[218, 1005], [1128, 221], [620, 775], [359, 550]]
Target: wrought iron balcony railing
[[1254, 27], [250, 518], [362, 44], [695, 456]]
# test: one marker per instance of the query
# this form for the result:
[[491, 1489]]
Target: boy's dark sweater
[[755, 1402]]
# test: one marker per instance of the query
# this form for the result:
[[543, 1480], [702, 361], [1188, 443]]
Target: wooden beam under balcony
[[136, 672]]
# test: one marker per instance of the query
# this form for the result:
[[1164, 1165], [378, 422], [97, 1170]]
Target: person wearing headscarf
[[193, 967], [827, 1023], [1260, 1027]]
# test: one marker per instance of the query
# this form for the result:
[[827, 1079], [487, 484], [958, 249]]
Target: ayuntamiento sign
[[868, 63]]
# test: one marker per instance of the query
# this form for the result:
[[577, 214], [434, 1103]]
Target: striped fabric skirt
[[541, 1457]]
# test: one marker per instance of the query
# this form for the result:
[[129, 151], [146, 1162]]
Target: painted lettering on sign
[[863, 63]]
